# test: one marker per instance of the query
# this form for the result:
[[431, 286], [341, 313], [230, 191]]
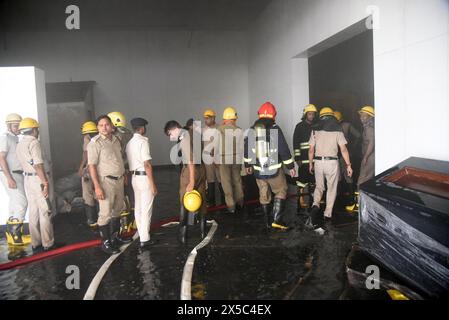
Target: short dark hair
[[170, 125], [103, 116]]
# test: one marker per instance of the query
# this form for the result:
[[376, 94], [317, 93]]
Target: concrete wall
[[160, 75], [411, 68], [22, 91]]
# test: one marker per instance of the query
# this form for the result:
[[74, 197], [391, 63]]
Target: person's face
[[104, 127], [14, 128], [174, 134], [364, 118], [310, 116], [209, 121]]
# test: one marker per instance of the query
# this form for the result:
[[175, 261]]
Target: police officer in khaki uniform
[[367, 166], [89, 130], [229, 148], [212, 171], [139, 158], [11, 176], [106, 168], [37, 186], [325, 142], [193, 174]]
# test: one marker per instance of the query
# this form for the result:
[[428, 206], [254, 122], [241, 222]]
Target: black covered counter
[[404, 223]]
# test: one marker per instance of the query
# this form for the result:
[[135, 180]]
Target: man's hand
[[311, 169], [45, 190], [99, 193], [249, 170], [12, 183], [153, 189], [190, 186], [349, 170], [292, 173], [81, 172]]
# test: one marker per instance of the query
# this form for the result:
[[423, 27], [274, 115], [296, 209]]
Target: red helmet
[[267, 110]]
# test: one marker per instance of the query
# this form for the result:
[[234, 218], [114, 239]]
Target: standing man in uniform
[[11, 176], [37, 185], [367, 166], [139, 158], [229, 146], [88, 130], [212, 172], [193, 174], [266, 150], [301, 148], [124, 135], [325, 142], [106, 168]]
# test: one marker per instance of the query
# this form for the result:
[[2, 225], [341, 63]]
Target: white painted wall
[[22, 91], [160, 75], [411, 69]]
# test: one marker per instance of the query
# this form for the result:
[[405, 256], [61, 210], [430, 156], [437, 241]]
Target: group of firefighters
[[117, 176]]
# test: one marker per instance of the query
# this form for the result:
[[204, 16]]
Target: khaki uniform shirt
[[8, 145], [326, 142], [368, 137], [138, 151], [106, 154], [230, 146], [29, 154]]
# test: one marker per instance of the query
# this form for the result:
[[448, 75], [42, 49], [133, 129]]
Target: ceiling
[[49, 15]]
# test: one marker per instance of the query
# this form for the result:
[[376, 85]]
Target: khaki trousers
[[41, 227], [143, 209], [17, 205], [329, 171], [277, 185], [212, 173], [200, 184], [114, 202], [231, 181]]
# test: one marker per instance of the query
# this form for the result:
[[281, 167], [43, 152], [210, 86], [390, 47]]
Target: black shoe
[[116, 238], [37, 249], [53, 247], [91, 215], [147, 244], [316, 219], [107, 245], [230, 210]]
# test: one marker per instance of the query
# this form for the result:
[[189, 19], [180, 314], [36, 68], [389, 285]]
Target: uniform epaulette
[[94, 139]]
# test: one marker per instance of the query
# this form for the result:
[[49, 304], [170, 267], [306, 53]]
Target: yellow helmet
[[368, 110], [326, 111], [230, 114], [192, 201], [28, 123], [310, 108], [118, 119], [338, 115], [13, 118], [209, 113], [89, 127]]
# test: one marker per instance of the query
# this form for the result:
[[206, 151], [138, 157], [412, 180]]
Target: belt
[[138, 173], [326, 158], [29, 174], [114, 178], [18, 171]]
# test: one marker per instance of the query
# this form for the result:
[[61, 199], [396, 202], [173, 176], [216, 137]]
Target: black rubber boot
[[278, 209], [116, 238], [211, 194], [203, 225], [222, 195], [316, 218], [107, 245], [91, 215], [266, 208], [182, 225]]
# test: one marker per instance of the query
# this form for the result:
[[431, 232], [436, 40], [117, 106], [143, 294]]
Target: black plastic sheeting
[[408, 230]]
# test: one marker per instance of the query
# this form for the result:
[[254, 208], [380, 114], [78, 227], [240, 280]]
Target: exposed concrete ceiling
[[49, 15]]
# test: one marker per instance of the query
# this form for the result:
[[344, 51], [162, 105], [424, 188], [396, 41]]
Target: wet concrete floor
[[243, 260]]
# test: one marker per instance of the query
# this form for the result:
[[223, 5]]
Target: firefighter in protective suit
[[301, 148], [265, 152]]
